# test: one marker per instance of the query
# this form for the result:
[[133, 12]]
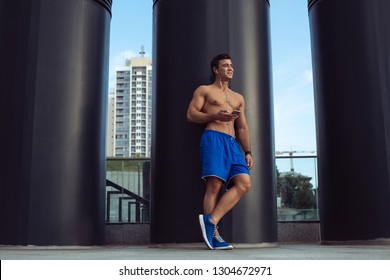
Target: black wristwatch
[[248, 152]]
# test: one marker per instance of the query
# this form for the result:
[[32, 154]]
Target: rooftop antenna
[[142, 52]]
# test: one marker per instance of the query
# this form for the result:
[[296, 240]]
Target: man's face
[[225, 69]]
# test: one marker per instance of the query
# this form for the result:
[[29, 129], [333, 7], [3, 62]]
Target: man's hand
[[249, 161], [225, 116]]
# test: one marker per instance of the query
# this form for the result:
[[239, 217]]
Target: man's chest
[[223, 100]]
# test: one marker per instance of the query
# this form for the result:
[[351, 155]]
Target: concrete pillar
[[187, 34], [54, 72], [351, 70]]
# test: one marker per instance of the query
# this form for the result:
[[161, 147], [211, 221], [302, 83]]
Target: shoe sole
[[230, 247], [203, 228]]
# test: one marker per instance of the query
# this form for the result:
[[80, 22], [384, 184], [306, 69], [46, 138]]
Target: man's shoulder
[[237, 94], [204, 89]]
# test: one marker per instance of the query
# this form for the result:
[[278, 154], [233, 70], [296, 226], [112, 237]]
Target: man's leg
[[224, 205], [213, 187], [230, 198]]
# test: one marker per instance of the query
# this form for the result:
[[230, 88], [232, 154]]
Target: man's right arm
[[194, 112]]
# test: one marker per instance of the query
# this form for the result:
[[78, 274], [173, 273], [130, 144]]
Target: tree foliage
[[295, 190]]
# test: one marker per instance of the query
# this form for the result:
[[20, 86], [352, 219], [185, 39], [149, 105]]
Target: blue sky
[[131, 28]]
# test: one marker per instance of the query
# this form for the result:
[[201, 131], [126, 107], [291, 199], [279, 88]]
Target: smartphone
[[236, 112]]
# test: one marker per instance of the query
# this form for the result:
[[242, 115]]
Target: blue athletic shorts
[[221, 157]]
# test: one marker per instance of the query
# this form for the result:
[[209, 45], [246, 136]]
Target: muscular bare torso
[[213, 106], [217, 99]]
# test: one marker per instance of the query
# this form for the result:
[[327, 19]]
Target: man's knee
[[243, 184], [214, 185]]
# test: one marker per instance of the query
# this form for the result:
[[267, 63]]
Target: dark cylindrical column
[[187, 34], [54, 75], [255, 218], [351, 54]]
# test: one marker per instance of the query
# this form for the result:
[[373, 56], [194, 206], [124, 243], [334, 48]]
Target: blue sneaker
[[208, 229], [220, 244]]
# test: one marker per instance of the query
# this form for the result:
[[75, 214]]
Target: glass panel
[[127, 201], [128, 190], [297, 188]]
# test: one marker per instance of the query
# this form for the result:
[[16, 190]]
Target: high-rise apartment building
[[133, 108]]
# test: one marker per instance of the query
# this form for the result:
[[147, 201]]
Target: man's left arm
[[243, 136]]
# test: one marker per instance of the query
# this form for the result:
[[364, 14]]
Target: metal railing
[[128, 189]]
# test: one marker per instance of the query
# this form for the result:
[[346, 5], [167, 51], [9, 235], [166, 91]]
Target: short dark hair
[[216, 59]]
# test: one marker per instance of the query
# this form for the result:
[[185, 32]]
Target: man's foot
[[220, 244], [208, 229]]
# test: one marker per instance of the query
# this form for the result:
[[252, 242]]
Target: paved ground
[[198, 251]]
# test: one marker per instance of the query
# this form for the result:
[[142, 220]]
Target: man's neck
[[221, 84]]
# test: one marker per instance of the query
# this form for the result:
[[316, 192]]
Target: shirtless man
[[223, 162]]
